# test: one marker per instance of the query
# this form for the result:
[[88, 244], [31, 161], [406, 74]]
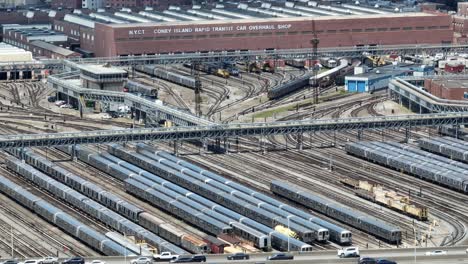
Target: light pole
[[12, 245], [415, 242], [289, 232], [125, 248]]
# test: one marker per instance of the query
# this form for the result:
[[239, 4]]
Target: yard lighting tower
[[315, 41]]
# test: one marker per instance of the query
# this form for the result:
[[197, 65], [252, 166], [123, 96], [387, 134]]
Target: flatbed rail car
[[390, 199]]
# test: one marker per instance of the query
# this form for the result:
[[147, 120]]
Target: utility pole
[[12, 245], [197, 89], [315, 41]]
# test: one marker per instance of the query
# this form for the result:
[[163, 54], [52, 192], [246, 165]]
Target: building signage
[[158, 31]]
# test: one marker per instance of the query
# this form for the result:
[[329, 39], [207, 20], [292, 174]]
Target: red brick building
[[65, 4], [276, 33], [460, 24], [447, 89]]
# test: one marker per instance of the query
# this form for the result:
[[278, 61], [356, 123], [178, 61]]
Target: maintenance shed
[[374, 80]]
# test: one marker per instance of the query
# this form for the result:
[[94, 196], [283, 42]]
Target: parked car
[[51, 99], [436, 253], [74, 260], [106, 116], [182, 259], [366, 260], [142, 260], [10, 261], [384, 261], [198, 258], [32, 261], [237, 256], [50, 260], [165, 256], [280, 256], [60, 102], [97, 262], [348, 252], [66, 106]]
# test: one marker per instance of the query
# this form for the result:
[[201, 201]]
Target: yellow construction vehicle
[[222, 73], [375, 61], [286, 231]]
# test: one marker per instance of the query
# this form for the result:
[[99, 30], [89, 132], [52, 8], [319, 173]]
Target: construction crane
[[315, 41]]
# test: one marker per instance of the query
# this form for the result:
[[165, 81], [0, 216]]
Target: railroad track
[[74, 247]]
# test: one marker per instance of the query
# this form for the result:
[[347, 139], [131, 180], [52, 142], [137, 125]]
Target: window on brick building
[[465, 95]]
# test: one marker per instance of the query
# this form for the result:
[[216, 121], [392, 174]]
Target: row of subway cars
[[242, 200], [129, 211], [54, 215], [332, 209], [137, 182], [423, 165]]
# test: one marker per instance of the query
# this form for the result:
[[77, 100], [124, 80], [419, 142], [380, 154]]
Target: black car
[[185, 259], [367, 261], [198, 258], [182, 260], [51, 99], [237, 256], [74, 260], [384, 261], [281, 256]]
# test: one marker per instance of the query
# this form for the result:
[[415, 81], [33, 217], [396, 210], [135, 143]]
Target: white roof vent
[[148, 8], [397, 10], [196, 7], [174, 7], [30, 14], [242, 6], [356, 3], [376, 6]]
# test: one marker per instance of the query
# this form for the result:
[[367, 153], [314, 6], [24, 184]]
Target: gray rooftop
[[51, 47]]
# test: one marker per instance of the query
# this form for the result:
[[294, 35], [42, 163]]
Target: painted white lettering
[[162, 31], [202, 29], [285, 26], [136, 32]]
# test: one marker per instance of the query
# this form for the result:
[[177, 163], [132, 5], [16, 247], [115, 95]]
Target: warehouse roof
[[52, 48], [11, 54], [282, 19], [101, 69], [452, 84]]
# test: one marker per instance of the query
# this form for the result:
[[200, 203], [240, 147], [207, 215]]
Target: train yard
[[231, 194]]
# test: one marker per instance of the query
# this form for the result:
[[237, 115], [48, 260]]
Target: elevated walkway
[[232, 130], [68, 84], [425, 101]]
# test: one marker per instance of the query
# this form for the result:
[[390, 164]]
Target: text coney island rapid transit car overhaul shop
[[133, 32]]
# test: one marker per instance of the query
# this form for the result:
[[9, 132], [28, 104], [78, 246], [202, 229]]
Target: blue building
[[378, 79]]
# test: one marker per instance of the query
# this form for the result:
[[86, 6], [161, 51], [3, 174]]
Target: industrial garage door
[[352, 86], [361, 86]]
